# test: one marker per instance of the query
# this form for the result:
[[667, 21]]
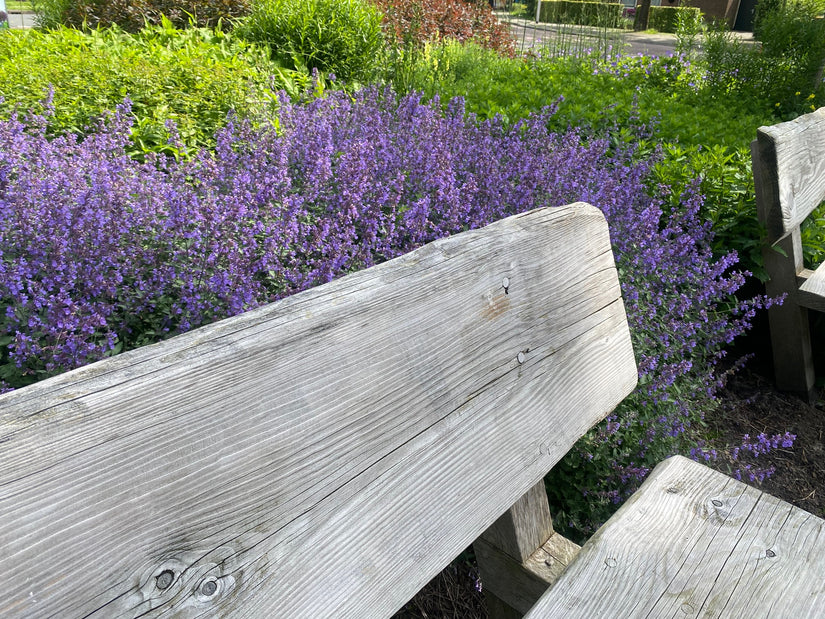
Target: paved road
[[529, 34]]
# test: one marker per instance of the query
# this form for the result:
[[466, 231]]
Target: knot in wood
[[164, 579], [716, 503], [209, 587]]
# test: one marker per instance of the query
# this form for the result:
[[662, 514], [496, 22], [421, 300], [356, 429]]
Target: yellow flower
[[797, 93], [777, 105], [813, 107], [811, 96]]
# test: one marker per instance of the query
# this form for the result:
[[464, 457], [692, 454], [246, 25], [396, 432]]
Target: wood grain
[[695, 543], [517, 586], [324, 456], [504, 554], [793, 156]]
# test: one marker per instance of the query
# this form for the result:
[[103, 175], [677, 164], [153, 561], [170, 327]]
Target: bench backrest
[[325, 455], [790, 172]]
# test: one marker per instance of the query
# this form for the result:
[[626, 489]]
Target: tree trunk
[[642, 12]]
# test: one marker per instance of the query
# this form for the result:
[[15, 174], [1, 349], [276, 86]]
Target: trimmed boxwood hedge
[[666, 18], [605, 14]]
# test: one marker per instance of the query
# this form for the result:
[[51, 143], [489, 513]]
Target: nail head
[[770, 553], [520, 357]]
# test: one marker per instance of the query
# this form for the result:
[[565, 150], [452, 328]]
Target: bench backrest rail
[[325, 455], [789, 176], [790, 168]]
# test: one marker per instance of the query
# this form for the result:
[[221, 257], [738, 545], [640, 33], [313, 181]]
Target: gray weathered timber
[[695, 543], [789, 179], [512, 587], [514, 555], [322, 456], [794, 182], [812, 290]]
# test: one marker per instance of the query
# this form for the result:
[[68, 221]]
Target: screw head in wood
[[164, 579], [770, 553], [610, 562], [520, 357]]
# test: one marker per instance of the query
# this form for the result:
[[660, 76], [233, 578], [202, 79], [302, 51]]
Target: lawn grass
[[18, 5]]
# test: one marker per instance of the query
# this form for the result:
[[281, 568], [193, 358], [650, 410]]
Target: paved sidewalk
[[529, 34]]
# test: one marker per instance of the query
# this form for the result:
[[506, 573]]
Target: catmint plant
[[99, 252]]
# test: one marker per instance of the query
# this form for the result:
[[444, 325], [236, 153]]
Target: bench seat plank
[[812, 290], [693, 542], [323, 456]]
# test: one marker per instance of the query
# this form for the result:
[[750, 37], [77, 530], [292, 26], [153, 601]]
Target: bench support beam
[[520, 556]]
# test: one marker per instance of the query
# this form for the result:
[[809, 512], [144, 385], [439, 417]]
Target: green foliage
[[763, 7], [132, 15], [192, 77], [666, 18], [333, 36], [595, 94], [726, 181], [785, 71], [603, 14]]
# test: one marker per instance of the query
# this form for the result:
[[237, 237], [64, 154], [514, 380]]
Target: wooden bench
[[327, 455], [789, 172]]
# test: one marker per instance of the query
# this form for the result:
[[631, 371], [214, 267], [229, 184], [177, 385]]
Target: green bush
[[333, 36], [595, 94], [132, 15], [784, 73], [603, 14], [193, 77], [666, 18]]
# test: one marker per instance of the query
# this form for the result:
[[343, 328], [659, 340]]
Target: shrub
[[666, 18], [785, 72], [416, 22], [596, 93], [132, 15], [333, 36], [603, 14], [193, 77]]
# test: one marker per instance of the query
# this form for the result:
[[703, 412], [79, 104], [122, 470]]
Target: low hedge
[[133, 15], [604, 14], [666, 18]]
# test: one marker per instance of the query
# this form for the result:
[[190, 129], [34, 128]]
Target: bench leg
[[520, 556], [790, 332]]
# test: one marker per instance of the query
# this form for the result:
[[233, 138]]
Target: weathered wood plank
[[695, 543], [515, 585], [794, 181], [790, 332], [271, 464], [812, 291], [524, 527], [511, 560]]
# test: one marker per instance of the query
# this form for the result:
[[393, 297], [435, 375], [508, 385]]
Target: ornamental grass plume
[[99, 252]]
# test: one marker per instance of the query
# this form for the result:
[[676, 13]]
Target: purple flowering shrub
[[99, 252]]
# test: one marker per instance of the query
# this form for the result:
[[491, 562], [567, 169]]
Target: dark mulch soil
[[750, 404]]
